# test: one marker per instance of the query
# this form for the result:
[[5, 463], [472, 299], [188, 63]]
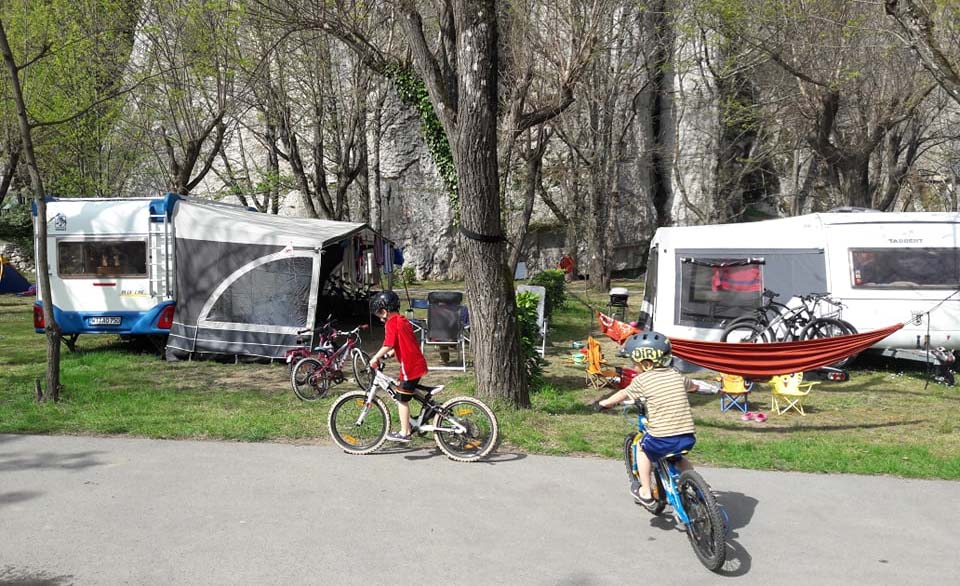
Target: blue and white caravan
[[110, 266], [216, 278]]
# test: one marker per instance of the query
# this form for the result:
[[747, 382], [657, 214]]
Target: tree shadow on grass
[[771, 429]]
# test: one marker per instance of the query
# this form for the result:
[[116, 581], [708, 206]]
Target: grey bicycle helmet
[[650, 345], [385, 300]]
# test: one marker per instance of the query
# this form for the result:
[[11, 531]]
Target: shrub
[[529, 334], [16, 227], [553, 281], [409, 276]]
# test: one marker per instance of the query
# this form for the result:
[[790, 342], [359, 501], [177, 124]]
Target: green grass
[[881, 422]]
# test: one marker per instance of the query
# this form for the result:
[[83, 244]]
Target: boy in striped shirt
[[670, 428]]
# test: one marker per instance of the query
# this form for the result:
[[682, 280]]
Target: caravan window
[[717, 289], [99, 258], [904, 268], [276, 293]]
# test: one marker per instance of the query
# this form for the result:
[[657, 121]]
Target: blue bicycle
[[686, 492]]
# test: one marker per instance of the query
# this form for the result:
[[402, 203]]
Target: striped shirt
[[668, 410]]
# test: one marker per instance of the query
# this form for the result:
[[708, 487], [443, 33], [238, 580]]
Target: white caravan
[[886, 268], [110, 266]]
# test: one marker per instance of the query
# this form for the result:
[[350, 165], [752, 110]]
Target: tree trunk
[[373, 150], [51, 392], [494, 334]]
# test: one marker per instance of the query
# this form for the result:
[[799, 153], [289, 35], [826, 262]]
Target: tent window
[[276, 293], [904, 268], [716, 289], [98, 258]]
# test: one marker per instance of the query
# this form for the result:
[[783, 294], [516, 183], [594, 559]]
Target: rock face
[[416, 212], [22, 260]]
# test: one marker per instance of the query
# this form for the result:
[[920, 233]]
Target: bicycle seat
[[676, 455], [430, 391], [770, 294]]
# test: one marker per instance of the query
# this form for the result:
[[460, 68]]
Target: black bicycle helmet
[[385, 300], [649, 345]]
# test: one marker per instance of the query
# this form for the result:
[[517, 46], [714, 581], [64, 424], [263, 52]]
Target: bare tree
[[598, 131], [190, 51], [931, 29], [843, 100]]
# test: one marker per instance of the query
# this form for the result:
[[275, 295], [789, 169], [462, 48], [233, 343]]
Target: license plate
[[104, 320]]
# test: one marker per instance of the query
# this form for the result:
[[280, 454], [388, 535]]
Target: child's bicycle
[[464, 428], [687, 493], [312, 377], [322, 338]]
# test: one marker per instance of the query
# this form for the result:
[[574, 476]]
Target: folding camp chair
[[788, 392], [541, 293], [597, 377], [734, 392], [446, 327]]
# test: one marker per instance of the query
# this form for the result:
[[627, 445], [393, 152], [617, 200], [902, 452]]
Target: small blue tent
[[11, 281]]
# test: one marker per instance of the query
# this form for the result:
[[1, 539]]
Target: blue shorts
[[658, 447]]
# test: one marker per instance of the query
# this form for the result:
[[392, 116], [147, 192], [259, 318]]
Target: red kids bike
[[312, 377]]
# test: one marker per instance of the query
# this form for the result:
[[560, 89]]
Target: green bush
[[553, 281], [529, 334], [409, 276], [16, 227]]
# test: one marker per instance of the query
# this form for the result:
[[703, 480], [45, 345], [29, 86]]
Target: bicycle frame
[[664, 468], [429, 407], [322, 346], [335, 360]]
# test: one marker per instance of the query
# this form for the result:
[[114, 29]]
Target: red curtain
[[765, 360], [738, 278]]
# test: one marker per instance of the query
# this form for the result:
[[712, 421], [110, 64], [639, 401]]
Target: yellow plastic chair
[[597, 377], [734, 392], [788, 392]]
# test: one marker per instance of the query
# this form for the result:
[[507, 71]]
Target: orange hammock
[[765, 360]]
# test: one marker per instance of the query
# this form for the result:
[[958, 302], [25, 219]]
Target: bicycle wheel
[[706, 529], [309, 380], [362, 373], [481, 429], [744, 331], [369, 434], [828, 327], [657, 488]]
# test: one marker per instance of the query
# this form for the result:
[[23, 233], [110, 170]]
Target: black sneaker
[[649, 504], [398, 437]]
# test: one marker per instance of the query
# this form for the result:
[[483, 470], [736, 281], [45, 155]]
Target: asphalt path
[[84, 510]]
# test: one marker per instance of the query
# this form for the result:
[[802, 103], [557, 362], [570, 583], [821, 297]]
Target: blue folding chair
[[734, 392]]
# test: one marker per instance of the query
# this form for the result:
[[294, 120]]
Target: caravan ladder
[[161, 256]]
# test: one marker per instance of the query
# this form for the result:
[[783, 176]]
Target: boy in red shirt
[[400, 341]]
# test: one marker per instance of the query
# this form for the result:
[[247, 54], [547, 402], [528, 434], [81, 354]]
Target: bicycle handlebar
[[326, 325]]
